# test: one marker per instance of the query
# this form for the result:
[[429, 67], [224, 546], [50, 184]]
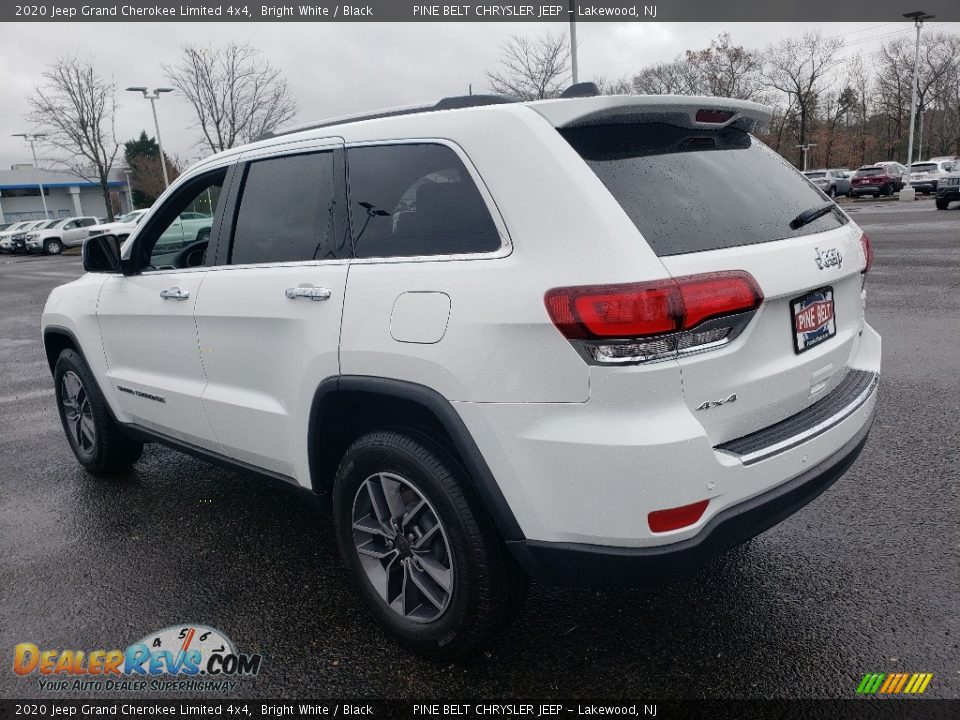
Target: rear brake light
[[713, 116], [653, 320], [676, 518], [867, 252]]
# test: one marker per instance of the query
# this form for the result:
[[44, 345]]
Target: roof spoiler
[[686, 111]]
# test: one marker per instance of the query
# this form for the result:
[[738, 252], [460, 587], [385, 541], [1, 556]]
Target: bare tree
[[531, 69], [726, 70], [75, 109], [236, 96], [797, 69]]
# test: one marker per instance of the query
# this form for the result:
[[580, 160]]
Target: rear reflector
[[714, 116], [676, 518], [867, 251]]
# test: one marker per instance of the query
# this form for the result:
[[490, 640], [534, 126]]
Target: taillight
[[654, 320], [867, 252]]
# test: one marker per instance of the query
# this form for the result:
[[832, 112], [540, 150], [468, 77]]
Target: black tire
[[832, 192], [887, 190], [876, 194], [109, 451], [52, 247], [487, 587], [942, 203]]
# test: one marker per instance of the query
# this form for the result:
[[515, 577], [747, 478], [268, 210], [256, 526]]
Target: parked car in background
[[5, 226], [925, 175], [121, 227], [832, 182], [15, 239], [877, 180], [52, 238], [948, 188]]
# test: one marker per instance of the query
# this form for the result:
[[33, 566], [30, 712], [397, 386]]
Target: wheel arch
[[348, 406], [56, 339]]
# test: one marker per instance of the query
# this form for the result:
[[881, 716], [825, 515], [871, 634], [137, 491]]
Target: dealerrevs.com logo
[[179, 658]]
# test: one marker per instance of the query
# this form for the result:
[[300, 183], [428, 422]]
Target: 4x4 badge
[[717, 403]]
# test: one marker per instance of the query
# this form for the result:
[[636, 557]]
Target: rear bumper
[[597, 565]]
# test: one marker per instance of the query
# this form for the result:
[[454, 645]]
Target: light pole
[[156, 123], [805, 148], [907, 192], [573, 40], [920, 139], [126, 174], [32, 138]]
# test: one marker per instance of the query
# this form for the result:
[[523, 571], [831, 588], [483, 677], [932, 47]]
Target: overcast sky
[[347, 67]]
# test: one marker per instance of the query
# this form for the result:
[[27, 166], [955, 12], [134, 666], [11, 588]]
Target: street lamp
[[32, 138], [805, 148], [918, 16], [156, 123]]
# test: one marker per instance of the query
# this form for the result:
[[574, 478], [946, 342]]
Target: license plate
[[814, 320]]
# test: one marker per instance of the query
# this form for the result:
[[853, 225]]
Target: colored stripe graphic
[[894, 683]]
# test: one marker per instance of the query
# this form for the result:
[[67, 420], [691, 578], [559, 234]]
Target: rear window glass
[[862, 172], [416, 200], [815, 174], [691, 190], [926, 167]]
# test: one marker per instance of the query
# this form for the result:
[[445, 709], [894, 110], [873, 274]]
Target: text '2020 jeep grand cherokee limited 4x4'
[[557, 339]]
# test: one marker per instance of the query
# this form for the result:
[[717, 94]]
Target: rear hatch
[[709, 197]]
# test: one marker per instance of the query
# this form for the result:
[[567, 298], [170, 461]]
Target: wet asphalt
[[865, 579]]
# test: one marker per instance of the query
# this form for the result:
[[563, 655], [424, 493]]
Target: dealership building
[[65, 194]]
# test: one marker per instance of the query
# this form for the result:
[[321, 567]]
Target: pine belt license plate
[[814, 320]]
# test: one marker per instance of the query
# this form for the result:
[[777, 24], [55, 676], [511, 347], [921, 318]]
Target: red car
[[876, 180]]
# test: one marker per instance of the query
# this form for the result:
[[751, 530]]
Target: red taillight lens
[[713, 116], [867, 251], [676, 518], [655, 308]]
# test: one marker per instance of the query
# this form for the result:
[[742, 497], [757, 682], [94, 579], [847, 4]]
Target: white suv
[[490, 343]]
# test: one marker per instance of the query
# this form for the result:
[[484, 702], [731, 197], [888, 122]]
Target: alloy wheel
[[403, 547], [78, 413]]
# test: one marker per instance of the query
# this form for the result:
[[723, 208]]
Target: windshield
[[691, 190], [130, 216]]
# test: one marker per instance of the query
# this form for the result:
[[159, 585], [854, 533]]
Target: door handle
[[308, 291], [174, 293]]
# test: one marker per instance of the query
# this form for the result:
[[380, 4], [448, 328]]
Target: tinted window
[[691, 190], [411, 200], [286, 211], [863, 172], [926, 167], [815, 175]]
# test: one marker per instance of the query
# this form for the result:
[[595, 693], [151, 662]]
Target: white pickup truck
[[52, 238]]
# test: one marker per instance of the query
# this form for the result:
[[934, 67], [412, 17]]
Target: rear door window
[[416, 200], [691, 190], [287, 210]]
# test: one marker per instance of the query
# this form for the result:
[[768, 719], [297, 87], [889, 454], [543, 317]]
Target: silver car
[[832, 182]]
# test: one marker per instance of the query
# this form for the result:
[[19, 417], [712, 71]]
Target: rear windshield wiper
[[811, 214]]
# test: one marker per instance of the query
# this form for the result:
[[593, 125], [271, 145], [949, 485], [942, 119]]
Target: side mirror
[[101, 253]]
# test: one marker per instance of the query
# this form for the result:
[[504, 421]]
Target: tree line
[[856, 110]]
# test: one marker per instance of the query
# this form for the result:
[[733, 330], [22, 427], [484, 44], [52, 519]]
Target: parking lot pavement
[[862, 580]]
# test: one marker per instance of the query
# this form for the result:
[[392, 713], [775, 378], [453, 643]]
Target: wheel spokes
[[402, 547]]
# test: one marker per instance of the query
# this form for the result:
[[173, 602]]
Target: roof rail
[[454, 102]]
